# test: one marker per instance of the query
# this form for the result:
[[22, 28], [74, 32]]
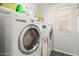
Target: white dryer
[[20, 35], [47, 32]]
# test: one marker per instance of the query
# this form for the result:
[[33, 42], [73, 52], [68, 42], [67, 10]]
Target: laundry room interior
[[39, 29]]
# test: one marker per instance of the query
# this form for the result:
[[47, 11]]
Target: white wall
[[63, 41]]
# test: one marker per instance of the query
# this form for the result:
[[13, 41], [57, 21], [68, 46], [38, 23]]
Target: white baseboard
[[64, 52]]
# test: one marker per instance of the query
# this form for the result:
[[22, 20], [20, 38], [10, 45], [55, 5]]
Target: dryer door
[[29, 39], [50, 41]]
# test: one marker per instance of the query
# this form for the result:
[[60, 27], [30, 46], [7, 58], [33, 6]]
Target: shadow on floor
[[56, 53]]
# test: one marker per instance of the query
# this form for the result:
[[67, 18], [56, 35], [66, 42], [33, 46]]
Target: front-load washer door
[[29, 39]]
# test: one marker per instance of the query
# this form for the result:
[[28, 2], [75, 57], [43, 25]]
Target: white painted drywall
[[63, 41]]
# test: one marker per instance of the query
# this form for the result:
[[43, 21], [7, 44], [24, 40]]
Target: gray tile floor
[[55, 53]]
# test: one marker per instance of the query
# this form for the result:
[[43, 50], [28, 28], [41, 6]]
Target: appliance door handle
[[20, 20]]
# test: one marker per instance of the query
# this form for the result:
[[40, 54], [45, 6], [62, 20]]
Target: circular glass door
[[29, 39]]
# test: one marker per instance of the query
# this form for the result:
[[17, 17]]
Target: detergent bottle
[[19, 8]]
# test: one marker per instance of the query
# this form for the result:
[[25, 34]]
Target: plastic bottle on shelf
[[19, 8]]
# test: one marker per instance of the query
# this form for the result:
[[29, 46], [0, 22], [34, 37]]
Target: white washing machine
[[47, 32], [19, 35]]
